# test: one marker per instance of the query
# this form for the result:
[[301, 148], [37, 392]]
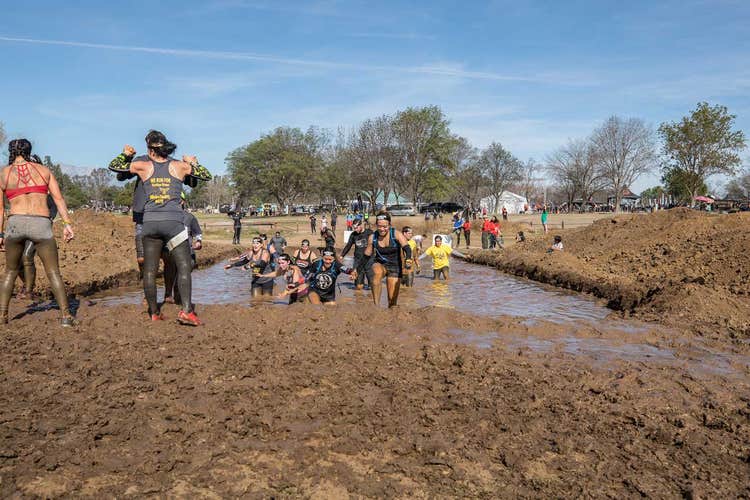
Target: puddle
[[472, 289], [484, 291]]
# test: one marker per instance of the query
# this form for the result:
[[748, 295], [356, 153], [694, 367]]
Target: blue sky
[[82, 78]]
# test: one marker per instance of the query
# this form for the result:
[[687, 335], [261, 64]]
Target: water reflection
[[471, 289]]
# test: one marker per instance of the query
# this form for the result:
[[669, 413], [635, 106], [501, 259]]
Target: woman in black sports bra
[[386, 246], [304, 262]]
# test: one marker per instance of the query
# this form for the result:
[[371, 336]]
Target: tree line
[[413, 154], [619, 151]]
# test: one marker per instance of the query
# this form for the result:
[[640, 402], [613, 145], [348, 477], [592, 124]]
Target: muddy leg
[[393, 286], [376, 285]]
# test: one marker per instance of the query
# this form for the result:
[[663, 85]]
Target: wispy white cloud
[[450, 70]]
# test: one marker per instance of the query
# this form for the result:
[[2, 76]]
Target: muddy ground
[[102, 255], [275, 401], [681, 267], [323, 402]]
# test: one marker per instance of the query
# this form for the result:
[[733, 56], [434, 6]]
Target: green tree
[[279, 165], [71, 191], [700, 145], [424, 142], [123, 195], [683, 185]]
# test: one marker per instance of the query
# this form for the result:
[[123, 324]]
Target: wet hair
[[306, 241], [494, 219], [158, 143], [438, 237], [329, 252], [278, 232], [36, 159], [285, 256], [383, 215], [558, 239], [406, 229], [19, 147], [263, 236]]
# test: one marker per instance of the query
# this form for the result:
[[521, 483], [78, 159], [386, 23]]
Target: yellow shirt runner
[[439, 255]]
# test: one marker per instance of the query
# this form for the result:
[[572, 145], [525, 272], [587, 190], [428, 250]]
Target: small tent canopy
[[513, 203]]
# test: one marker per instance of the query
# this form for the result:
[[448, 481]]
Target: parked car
[[401, 210], [449, 208], [431, 207]]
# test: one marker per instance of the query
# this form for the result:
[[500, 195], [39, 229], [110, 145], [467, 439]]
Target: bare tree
[[528, 186], [467, 179], [501, 170], [374, 156], [575, 170], [624, 149]]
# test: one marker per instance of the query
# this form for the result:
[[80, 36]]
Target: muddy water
[[583, 326], [472, 289]]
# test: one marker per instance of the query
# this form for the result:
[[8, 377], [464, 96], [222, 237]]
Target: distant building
[[513, 203]]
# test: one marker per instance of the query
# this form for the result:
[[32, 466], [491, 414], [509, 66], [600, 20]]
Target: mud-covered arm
[[121, 165], [197, 173], [348, 246], [404, 244]]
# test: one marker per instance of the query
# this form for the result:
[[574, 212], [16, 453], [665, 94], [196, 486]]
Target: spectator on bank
[[313, 223], [495, 234], [557, 245], [467, 232], [486, 231], [237, 226]]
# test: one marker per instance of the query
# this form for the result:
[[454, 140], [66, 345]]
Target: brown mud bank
[[680, 267], [266, 401], [102, 255]]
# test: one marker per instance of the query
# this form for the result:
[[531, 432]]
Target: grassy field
[[218, 227]]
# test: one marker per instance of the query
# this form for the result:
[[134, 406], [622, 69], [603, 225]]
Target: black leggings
[[28, 268], [46, 248], [155, 236]]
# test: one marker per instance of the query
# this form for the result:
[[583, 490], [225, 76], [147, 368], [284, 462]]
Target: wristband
[[65, 223]]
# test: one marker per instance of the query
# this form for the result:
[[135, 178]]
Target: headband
[[327, 253]]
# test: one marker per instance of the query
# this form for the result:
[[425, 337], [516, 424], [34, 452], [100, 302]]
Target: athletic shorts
[[392, 269]]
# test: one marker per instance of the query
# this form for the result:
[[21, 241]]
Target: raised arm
[[123, 162]]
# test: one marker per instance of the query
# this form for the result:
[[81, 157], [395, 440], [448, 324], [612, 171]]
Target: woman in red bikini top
[[26, 185]]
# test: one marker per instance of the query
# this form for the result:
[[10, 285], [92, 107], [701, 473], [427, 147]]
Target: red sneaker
[[190, 319], [157, 317]]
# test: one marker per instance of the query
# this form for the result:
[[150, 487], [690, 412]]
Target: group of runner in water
[[165, 231]]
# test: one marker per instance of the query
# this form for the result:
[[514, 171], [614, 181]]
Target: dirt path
[[303, 401]]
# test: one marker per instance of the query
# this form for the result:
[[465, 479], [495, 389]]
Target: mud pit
[[303, 401]]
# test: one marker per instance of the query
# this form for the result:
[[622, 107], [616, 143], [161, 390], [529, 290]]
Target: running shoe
[[157, 317], [67, 322], [190, 319]]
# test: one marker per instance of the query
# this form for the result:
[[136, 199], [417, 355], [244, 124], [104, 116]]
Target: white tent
[[513, 203]]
